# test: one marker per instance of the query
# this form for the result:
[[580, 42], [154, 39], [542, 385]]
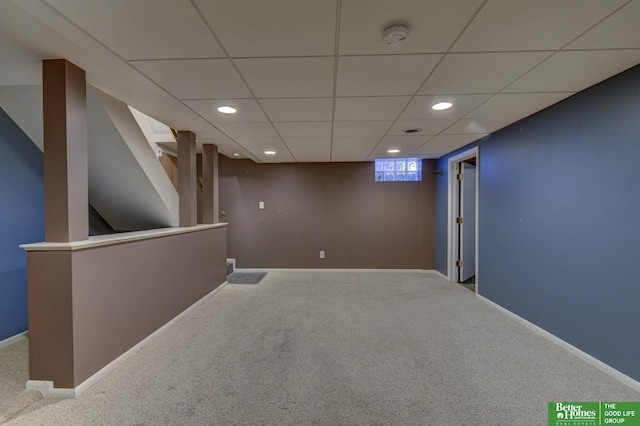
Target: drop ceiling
[[312, 80]]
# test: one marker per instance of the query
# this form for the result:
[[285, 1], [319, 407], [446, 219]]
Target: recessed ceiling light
[[442, 105], [235, 154], [225, 109], [270, 152], [412, 130], [393, 151]]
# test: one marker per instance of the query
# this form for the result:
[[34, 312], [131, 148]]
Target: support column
[[66, 199], [199, 186], [50, 274], [187, 178], [210, 195]]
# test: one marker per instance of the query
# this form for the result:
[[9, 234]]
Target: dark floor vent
[[246, 277]]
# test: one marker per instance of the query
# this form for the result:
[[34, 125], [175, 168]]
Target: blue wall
[[21, 220], [559, 227]]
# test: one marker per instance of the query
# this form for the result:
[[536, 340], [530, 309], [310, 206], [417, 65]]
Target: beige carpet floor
[[328, 348]]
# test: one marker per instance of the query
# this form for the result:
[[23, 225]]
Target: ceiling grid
[[314, 82]]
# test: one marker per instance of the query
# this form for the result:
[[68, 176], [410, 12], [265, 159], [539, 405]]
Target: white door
[[468, 225]]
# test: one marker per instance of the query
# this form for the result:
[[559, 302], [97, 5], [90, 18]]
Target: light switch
[[261, 205]]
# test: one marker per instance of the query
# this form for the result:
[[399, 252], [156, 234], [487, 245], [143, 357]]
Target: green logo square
[[594, 413]]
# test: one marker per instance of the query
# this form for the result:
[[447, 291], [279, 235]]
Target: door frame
[[453, 202]]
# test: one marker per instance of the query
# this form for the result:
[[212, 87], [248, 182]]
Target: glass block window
[[398, 169]]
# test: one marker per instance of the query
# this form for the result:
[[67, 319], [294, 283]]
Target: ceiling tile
[[248, 110], [196, 78], [444, 144], [480, 72], [454, 140], [353, 148], [308, 109], [229, 149], [383, 75], [361, 128], [288, 77], [257, 146], [575, 71], [620, 30], [304, 129], [433, 26], [144, 29], [374, 108], [478, 125], [420, 106], [428, 151], [310, 149], [248, 130], [429, 127], [273, 27], [206, 133], [347, 157], [405, 144], [515, 106], [507, 25]]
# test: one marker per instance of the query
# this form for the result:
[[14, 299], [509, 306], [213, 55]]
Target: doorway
[[462, 219]]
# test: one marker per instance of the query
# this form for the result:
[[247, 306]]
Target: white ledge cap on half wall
[[105, 240]]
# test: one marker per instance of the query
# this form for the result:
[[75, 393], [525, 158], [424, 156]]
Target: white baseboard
[[13, 339], [440, 274], [329, 270], [605, 368], [47, 389]]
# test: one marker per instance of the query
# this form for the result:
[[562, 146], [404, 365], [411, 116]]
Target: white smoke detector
[[395, 34]]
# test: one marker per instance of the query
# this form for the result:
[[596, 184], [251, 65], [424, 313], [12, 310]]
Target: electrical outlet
[[321, 254], [261, 205]]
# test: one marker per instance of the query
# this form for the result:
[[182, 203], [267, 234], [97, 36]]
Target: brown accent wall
[[89, 306], [50, 317], [335, 207]]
